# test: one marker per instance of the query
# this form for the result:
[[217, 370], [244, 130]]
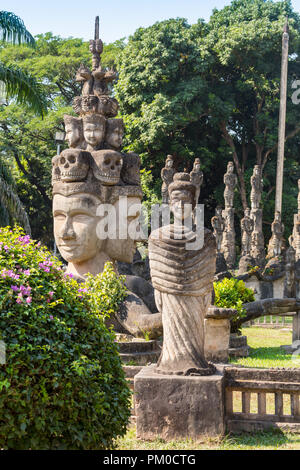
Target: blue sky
[[118, 18]]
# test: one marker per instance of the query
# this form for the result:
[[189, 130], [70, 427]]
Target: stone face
[[174, 407]]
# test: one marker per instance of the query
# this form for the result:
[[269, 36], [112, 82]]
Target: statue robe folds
[[183, 283]]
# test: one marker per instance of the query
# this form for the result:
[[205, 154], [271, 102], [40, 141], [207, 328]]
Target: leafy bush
[[232, 293], [63, 385]]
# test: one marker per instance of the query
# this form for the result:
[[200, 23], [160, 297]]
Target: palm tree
[[18, 84], [26, 90]]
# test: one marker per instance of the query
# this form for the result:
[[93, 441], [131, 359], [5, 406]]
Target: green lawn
[[265, 352], [265, 348], [262, 441]]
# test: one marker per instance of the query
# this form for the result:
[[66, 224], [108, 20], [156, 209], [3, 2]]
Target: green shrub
[[63, 385], [232, 293]]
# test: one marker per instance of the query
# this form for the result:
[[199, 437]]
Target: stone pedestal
[[217, 334], [178, 407]]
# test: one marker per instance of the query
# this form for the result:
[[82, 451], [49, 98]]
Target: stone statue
[[183, 283], [247, 226], [196, 176], [218, 225], [90, 183], [299, 196], [289, 282], [275, 243], [167, 174], [256, 187], [230, 181], [228, 240]]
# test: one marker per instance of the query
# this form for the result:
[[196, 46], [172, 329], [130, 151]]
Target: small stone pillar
[[217, 334]]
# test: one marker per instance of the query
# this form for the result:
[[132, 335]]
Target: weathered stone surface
[[196, 177], [143, 289], [218, 225], [182, 276], [230, 181], [174, 407], [217, 332], [275, 243], [167, 174], [219, 313], [228, 241]]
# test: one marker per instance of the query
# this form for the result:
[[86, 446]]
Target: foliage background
[[208, 90]]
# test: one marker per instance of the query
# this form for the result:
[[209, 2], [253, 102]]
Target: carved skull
[[107, 166], [55, 169], [74, 165]]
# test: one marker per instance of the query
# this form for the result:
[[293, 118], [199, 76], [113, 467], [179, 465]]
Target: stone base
[[178, 407]]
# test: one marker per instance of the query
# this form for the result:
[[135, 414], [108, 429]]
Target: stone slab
[[217, 333], [178, 407]]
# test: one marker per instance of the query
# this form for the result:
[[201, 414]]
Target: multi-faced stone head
[[94, 130], [114, 133], [73, 165], [74, 131], [107, 166]]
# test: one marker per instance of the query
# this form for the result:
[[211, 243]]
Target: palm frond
[[24, 88], [13, 30], [11, 203]]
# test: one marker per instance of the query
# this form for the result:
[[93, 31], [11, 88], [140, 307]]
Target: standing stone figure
[[167, 174], [289, 282], [196, 176], [247, 226], [256, 187], [275, 243], [183, 283], [230, 181], [218, 224], [257, 240]]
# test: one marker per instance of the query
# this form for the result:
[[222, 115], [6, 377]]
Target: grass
[[265, 352], [275, 440], [265, 348]]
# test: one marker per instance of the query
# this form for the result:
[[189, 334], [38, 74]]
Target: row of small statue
[[252, 238]]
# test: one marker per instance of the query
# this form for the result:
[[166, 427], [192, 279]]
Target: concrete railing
[[259, 399]]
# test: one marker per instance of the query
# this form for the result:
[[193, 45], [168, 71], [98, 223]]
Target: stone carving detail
[[228, 240], [89, 175], [289, 282], [167, 174], [295, 237], [257, 240], [218, 224], [230, 181], [196, 176], [256, 187], [183, 283], [247, 226], [275, 243]]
